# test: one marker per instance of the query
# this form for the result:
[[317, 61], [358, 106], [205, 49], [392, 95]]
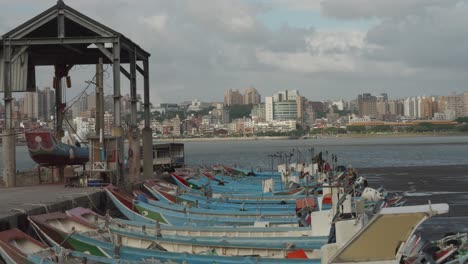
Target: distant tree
[[239, 111], [356, 129], [461, 120]]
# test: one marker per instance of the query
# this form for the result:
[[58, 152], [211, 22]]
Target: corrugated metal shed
[[22, 78]]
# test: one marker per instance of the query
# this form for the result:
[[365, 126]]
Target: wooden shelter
[[63, 37]]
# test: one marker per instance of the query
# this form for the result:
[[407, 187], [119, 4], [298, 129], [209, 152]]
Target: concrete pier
[[19, 202]]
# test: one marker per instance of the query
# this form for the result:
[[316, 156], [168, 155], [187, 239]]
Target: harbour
[[117, 197]]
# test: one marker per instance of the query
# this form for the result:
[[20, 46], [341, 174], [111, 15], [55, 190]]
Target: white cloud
[[201, 48], [156, 22]]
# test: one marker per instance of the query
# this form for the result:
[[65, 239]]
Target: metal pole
[[99, 97]]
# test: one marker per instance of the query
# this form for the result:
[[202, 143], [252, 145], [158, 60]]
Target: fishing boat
[[354, 240], [17, 247], [216, 231], [214, 212], [46, 150], [206, 202], [130, 207], [75, 234]]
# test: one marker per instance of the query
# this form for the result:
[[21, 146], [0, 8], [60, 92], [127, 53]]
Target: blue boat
[[204, 202], [129, 207], [85, 238]]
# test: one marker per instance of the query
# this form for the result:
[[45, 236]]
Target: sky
[[326, 49]]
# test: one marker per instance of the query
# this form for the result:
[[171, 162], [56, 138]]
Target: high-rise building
[[258, 112], [285, 110], [251, 96], [300, 106], [287, 95], [455, 103], [367, 105], [269, 108], [91, 101], [31, 105], [382, 105], [465, 103], [426, 107], [233, 97]]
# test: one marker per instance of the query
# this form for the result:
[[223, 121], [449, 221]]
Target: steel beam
[[9, 138], [60, 24], [116, 77], [147, 132], [104, 51], [60, 41], [140, 70], [133, 90], [125, 72], [85, 23], [37, 24], [18, 53]]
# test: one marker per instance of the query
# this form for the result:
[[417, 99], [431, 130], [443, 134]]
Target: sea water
[[357, 152]]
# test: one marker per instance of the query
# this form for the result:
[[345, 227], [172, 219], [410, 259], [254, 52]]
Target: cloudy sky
[[327, 49]]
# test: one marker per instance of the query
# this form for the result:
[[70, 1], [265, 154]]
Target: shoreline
[[312, 137]]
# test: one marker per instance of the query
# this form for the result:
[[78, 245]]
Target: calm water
[[359, 152]]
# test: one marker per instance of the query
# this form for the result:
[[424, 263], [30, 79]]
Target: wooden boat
[[46, 150], [216, 231], [71, 232], [17, 247], [130, 207]]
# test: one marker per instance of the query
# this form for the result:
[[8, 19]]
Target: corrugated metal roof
[[19, 74]]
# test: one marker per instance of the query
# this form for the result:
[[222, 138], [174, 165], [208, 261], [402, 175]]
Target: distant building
[[382, 105], [46, 103], [233, 98], [31, 105], [367, 105], [269, 108], [455, 103], [258, 113], [285, 110], [251, 96], [195, 106]]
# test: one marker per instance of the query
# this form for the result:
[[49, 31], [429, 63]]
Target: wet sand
[[438, 184]]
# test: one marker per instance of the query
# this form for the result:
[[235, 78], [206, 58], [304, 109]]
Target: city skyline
[[326, 49]]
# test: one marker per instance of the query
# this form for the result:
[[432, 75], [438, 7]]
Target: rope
[[38, 234]]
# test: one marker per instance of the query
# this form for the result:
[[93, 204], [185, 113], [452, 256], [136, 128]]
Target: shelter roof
[[47, 47]]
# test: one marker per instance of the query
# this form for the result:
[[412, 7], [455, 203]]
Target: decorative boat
[[46, 150]]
